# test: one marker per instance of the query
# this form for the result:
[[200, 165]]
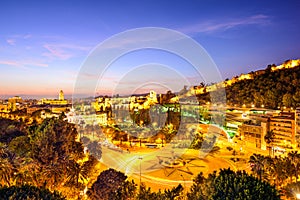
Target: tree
[[279, 172], [257, 164], [296, 97], [202, 187], [26, 192], [289, 168], [287, 100], [146, 193], [76, 174], [55, 140], [271, 88], [20, 146], [269, 138], [294, 156], [53, 174], [44, 155], [174, 193], [8, 165], [6, 171], [95, 149], [126, 191], [57, 154], [231, 185], [106, 185]]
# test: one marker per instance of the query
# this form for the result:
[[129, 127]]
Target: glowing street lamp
[[140, 158], [183, 180], [297, 195]]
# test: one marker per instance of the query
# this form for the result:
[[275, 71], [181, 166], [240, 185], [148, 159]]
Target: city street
[[165, 168]]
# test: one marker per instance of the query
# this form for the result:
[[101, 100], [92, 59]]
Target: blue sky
[[44, 43]]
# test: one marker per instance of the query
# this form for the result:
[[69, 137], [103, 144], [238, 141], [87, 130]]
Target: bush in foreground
[[231, 185], [26, 192]]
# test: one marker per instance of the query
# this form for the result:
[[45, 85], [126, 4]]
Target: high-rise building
[[283, 126]]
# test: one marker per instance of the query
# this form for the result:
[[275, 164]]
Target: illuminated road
[[155, 174]]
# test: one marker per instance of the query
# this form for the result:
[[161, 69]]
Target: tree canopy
[[228, 184], [44, 155], [25, 192], [272, 89]]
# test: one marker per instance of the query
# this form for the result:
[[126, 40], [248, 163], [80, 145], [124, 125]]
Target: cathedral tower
[[61, 96]]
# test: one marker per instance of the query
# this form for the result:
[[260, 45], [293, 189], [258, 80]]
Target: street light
[[183, 180], [140, 158], [297, 195]]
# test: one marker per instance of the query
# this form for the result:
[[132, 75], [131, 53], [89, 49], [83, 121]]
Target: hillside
[[274, 87]]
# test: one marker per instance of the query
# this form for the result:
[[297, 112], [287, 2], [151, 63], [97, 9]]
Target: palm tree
[[9, 164], [289, 167], [295, 161], [32, 172], [257, 164], [280, 172], [269, 138], [6, 171], [53, 175], [269, 168], [75, 173], [29, 192]]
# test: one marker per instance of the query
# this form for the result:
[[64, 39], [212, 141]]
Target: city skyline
[[44, 44]]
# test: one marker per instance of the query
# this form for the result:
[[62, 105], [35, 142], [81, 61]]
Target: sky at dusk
[[43, 44]]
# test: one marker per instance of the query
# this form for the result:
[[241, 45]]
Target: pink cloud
[[23, 64], [9, 62], [35, 63], [63, 51], [56, 52], [11, 41]]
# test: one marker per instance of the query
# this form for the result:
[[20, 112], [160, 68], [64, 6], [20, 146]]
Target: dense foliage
[[26, 192], [106, 185], [231, 185], [112, 184], [49, 157], [174, 193], [271, 89], [277, 170], [227, 184], [44, 155], [10, 129]]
